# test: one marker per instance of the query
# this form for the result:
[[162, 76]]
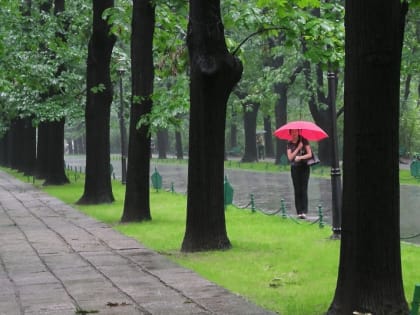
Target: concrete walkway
[[56, 261]]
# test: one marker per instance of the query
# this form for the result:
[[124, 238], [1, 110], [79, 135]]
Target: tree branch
[[341, 111], [260, 31]]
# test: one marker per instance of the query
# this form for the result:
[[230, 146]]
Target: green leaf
[[98, 89]]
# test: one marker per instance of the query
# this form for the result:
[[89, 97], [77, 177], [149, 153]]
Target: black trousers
[[300, 178]]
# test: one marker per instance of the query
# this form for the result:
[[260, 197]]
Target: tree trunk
[[56, 174], [280, 110], [77, 145], [232, 144], [80, 145], [268, 137], [29, 147], [41, 166], [70, 148], [250, 128], [18, 139], [178, 145], [162, 143], [233, 134], [370, 277], [10, 146], [5, 154], [98, 187], [213, 74], [281, 88], [418, 93], [321, 115], [137, 194], [3, 149]]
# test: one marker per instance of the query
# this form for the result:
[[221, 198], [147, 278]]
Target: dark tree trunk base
[[192, 246], [94, 201], [128, 219], [137, 193], [56, 181], [214, 72]]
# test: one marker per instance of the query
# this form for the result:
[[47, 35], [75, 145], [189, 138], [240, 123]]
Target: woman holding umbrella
[[298, 133], [298, 151]]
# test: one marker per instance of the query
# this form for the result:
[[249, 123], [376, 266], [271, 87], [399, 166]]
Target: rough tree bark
[[162, 143], [29, 147], [280, 110], [17, 152], [213, 74], [178, 145], [137, 199], [250, 128], [56, 174], [369, 276], [268, 137], [98, 187], [41, 164]]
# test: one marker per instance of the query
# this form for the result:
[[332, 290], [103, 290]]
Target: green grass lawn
[[284, 266]]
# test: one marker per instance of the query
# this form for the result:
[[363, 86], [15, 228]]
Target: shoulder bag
[[314, 160]]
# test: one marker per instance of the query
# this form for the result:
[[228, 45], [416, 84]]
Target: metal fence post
[[228, 192], [416, 300], [321, 216], [156, 180], [283, 209], [252, 203]]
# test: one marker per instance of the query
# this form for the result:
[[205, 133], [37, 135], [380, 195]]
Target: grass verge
[[281, 265]]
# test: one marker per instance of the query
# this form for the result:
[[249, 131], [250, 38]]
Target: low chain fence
[[75, 171]]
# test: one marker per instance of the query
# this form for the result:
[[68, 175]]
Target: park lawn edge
[[281, 284]]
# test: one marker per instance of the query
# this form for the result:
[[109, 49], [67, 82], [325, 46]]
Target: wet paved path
[[269, 188], [56, 261]]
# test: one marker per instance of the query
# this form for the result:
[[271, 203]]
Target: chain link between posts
[[250, 205]]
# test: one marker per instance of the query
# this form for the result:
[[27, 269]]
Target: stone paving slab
[[54, 260]]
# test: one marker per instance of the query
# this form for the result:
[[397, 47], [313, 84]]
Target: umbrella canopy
[[308, 130]]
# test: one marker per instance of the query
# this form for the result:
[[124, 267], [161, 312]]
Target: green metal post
[[252, 203], [156, 180], [321, 216], [172, 187], [283, 209], [416, 300], [228, 193]]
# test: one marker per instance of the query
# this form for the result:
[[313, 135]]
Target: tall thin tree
[[98, 187], [250, 110], [213, 74], [137, 199], [370, 277], [56, 174]]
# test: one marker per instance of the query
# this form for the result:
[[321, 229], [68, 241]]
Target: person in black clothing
[[298, 151]]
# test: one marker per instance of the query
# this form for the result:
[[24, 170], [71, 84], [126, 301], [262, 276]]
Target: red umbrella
[[308, 130]]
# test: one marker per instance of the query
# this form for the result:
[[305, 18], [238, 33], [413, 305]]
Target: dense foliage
[[43, 75]]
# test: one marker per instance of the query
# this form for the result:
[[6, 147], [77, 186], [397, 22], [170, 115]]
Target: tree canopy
[[28, 41]]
